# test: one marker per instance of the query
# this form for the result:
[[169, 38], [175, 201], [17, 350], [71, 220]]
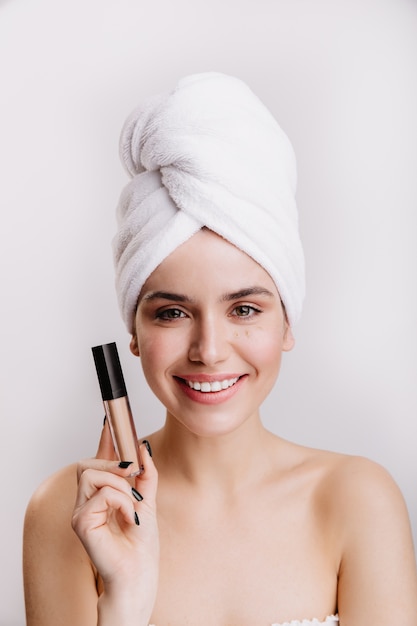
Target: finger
[[105, 448], [147, 481], [96, 512], [93, 480], [115, 467]]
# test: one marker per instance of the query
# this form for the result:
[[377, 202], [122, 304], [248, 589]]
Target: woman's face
[[210, 331]]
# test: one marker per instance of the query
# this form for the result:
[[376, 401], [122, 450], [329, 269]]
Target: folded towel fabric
[[207, 154]]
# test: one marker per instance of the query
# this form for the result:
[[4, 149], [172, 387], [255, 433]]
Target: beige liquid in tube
[[116, 406], [123, 432]]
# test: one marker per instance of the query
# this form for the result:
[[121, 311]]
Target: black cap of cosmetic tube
[[109, 371]]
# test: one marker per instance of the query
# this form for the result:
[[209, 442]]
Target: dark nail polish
[[137, 522], [137, 495], [104, 421], [125, 464], [148, 446]]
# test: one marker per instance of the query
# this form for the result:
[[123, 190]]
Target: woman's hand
[[119, 530]]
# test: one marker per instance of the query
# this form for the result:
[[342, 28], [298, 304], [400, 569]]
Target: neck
[[225, 462]]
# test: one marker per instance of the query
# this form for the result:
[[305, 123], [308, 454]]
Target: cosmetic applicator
[[117, 406]]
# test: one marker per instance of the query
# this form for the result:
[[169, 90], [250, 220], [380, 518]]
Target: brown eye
[[244, 310], [170, 314]]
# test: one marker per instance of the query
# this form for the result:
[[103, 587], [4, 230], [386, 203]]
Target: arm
[[377, 579], [59, 580], [124, 550], [59, 576]]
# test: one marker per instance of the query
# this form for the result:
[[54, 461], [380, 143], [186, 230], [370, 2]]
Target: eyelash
[[172, 314], [251, 311], [166, 314]]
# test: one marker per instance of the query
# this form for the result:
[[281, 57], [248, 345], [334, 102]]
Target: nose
[[208, 343]]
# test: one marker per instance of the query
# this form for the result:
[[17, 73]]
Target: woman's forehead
[[207, 261]]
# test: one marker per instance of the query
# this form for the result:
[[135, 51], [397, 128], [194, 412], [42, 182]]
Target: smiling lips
[[217, 385], [210, 391]]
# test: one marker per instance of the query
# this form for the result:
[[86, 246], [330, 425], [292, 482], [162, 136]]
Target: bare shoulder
[[353, 490], [350, 487], [359, 487], [49, 512], [65, 478], [52, 502]]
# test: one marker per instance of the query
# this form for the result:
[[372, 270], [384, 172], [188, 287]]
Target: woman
[[244, 528]]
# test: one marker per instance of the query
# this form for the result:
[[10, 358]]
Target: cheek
[[150, 357], [150, 348], [268, 338], [159, 349], [264, 347]]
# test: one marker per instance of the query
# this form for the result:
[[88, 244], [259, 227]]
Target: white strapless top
[[332, 620], [329, 621]]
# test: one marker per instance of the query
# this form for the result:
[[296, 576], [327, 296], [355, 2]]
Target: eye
[[245, 310], [170, 314]]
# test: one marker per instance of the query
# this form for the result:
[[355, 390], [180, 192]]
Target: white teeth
[[217, 385]]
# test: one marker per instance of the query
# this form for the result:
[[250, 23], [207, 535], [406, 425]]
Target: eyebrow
[[228, 297], [243, 293], [166, 295]]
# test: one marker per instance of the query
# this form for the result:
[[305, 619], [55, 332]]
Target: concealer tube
[[116, 405]]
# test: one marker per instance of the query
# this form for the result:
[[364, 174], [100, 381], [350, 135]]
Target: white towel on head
[[207, 154]]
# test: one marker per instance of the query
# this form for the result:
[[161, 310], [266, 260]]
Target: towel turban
[[208, 154]]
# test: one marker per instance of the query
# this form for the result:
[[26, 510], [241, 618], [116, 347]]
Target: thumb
[[105, 448]]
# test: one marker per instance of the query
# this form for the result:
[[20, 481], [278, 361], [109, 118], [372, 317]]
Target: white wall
[[341, 77]]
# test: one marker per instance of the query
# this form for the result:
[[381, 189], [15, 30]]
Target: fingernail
[[124, 464], [148, 446], [104, 421], [137, 495], [137, 522]]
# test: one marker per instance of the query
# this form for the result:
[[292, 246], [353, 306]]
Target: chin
[[212, 424]]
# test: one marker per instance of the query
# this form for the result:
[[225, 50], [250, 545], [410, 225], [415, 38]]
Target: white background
[[341, 78]]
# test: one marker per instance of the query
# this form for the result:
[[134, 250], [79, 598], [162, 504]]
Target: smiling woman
[[228, 524]]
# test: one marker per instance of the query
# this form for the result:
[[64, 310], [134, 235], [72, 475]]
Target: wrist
[[124, 607]]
